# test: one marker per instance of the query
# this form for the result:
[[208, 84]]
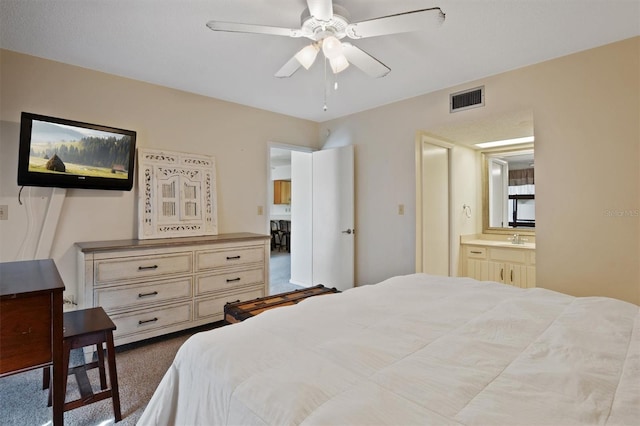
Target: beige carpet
[[140, 369]]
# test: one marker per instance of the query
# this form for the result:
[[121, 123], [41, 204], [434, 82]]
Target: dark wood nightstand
[[31, 322]]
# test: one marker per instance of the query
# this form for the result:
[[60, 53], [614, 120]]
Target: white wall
[[281, 173], [163, 118], [467, 191], [586, 108]]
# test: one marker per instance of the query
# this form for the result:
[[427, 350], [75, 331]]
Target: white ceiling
[[166, 42]]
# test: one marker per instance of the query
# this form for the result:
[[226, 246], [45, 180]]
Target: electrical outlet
[[400, 209], [4, 212], [260, 210]]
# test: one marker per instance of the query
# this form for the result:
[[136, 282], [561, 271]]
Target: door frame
[[269, 198], [269, 192], [421, 138]]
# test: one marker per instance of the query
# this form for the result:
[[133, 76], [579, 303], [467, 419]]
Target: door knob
[[349, 231]]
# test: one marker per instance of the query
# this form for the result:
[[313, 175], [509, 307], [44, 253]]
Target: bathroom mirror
[[509, 191]]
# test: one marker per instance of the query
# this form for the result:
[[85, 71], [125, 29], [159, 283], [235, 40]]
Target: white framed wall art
[[176, 194]]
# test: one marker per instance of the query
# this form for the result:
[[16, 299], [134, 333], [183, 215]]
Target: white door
[[333, 217], [301, 218]]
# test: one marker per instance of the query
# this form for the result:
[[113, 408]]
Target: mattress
[[415, 349]]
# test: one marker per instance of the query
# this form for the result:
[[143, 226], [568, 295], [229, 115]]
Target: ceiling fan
[[326, 24]]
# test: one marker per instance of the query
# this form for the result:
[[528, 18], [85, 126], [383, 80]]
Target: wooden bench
[[240, 311]]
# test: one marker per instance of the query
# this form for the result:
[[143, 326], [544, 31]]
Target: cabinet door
[[478, 269], [277, 193], [475, 263], [531, 276], [497, 272], [281, 192], [516, 275], [286, 192]]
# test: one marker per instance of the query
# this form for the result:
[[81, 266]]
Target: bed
[[415, 349]]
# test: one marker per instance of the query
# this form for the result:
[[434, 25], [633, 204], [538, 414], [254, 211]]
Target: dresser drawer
[[140, 295], [210, 259], [476, 252], [214, 306], [131, 268], [229, 281], [150, 319]]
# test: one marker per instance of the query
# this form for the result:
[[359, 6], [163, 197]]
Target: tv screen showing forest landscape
[[71, 154]]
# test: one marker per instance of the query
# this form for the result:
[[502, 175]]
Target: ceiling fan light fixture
[[307, 55], [325, 24], [338, 64], [331, 47]]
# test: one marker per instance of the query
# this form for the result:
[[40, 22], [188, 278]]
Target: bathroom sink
[[498, 243], [510, 244]]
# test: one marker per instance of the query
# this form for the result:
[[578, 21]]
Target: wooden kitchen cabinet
[[281, 192]]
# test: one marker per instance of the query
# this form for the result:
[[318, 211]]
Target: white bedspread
[[413, 350]]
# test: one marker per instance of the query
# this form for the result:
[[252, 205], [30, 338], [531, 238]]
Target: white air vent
[[466, 99]]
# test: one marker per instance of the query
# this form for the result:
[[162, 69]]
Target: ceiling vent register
[[472, 98]]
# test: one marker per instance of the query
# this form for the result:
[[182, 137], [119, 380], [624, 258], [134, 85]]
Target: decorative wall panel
[[176, 194]]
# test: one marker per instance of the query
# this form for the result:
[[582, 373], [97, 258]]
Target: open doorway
[[279, 217], [319, 242], [433, 206]]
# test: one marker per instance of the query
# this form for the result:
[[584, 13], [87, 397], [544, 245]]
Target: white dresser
[[155, 287]]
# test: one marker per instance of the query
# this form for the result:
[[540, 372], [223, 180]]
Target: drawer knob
[[233, 257], [476, 252], [147, 268], [147, 321], [231, 280], [153, 293]]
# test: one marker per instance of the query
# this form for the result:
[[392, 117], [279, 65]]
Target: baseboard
[[305, 285]]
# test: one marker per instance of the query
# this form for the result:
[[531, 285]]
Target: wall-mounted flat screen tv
[[71, 154]]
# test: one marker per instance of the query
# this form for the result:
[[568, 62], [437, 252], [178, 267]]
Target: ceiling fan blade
[[289, 68], [322, 10], [364, 61], [393, 24], [235, 27]]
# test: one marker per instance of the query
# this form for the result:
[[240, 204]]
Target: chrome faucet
[[517, 239]]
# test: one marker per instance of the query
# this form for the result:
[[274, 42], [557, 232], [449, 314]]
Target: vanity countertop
[[496, 243]]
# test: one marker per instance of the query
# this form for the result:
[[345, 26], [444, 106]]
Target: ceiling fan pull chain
[[324, 108]]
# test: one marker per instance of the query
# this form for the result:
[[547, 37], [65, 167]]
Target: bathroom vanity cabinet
[[512, 264]]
